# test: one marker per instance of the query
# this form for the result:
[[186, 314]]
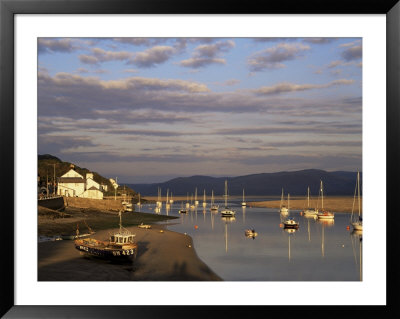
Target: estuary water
[[316, 251]]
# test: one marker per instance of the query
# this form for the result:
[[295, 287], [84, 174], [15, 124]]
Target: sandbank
[[337, 204], [163, 255]]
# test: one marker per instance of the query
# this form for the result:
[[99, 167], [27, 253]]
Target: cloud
[[207, 54], [352, 53], [153, 56], [51, 45], [319, 40], [200, 62], [130, 71], [272, 58], [67, 79], [55, 144], [99, 55], [320, 128], [230, 82], [291, 87], [141, 41]]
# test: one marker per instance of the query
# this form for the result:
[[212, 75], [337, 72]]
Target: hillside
[[295, 183], [48, 164]]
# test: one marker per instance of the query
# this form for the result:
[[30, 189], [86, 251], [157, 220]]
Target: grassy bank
[[53, 223], [337, 204]]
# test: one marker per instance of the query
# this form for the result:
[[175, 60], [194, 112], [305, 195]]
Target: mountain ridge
[[293, 182]]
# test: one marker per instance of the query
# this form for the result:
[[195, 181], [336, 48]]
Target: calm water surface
[[317, 251]]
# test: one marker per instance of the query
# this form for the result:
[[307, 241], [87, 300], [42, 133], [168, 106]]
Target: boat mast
[[281, 198], [322, 197], [226, 192], [359, 203], [120, 222], [308, 196], [288, 196], [243, 195]]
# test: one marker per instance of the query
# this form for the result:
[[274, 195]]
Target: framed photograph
[[275, 113]]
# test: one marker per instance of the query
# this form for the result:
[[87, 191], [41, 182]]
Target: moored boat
[[357, 223], [120, 246], [290, 223], [250, 233], [283, 209], [324, 214], [309, 211], [227, 211]]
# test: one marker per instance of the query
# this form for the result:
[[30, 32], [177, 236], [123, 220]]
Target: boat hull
[[294, 226], [112, 253], [357, 226], [326, 216]]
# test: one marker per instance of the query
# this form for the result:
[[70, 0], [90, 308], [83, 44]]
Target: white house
[[73, 184]]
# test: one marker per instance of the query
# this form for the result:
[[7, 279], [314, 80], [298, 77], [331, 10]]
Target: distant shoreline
[[336, 204]]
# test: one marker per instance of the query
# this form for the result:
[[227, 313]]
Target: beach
[[336, 204], [162, 255]]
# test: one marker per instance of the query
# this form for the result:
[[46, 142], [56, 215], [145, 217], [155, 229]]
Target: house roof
[[71, 180]]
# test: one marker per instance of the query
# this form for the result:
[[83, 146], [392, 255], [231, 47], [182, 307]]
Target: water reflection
[[356, 241], [341, 260], [227, 220], [290, 232]]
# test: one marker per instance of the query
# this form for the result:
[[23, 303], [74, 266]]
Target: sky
[[146, 110]]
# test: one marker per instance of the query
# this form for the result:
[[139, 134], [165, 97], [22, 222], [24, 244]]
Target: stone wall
[[102, 204]]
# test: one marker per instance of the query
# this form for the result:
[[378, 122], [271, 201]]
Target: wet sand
[[336, 204], [162, 256]]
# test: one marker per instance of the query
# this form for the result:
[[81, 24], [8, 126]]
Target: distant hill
[[295, 183], [48, 164]]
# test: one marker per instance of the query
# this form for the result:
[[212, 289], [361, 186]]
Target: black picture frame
[[8, 10]]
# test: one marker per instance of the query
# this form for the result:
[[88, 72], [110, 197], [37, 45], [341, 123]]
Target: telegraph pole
[[116, 186], [54, 181]]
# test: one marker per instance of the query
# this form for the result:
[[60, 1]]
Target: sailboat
[[182, 210], [139, 203], [243, 201], [309, 211], [214, 207], [204, 199], [290, 222], [159, 202], [196, 202], [283, 209], [192, 206], [187, 200], [171, 201], [357, 224], [324, 214], [227, 211], [167, 204]]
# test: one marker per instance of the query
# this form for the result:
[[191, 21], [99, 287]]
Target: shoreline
[[163, 255], [336, 204]]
